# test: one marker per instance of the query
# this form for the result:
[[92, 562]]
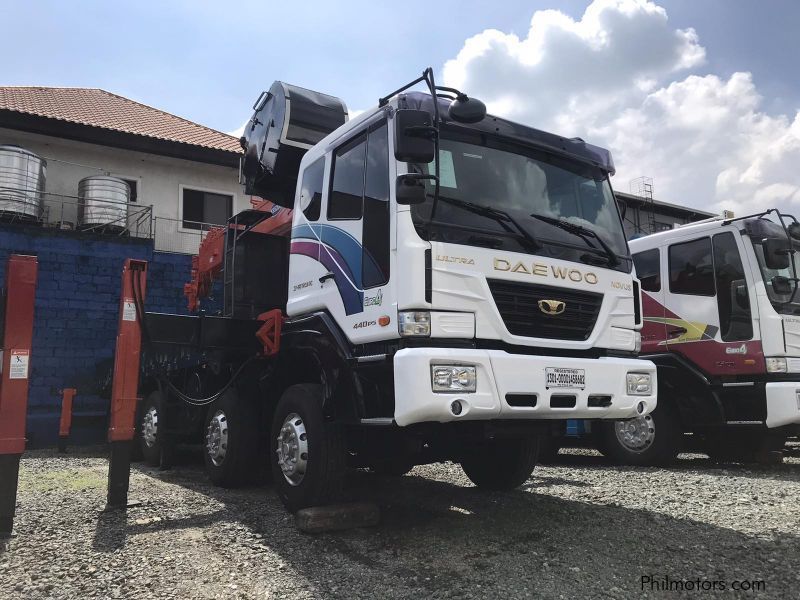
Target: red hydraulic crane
[[208, 263]]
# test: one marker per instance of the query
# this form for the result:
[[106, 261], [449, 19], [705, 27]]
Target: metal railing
[[103, 217], [65, 212], [179, 235]]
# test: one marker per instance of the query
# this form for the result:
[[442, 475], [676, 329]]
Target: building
[[181, 176], [644, 215], [188, 173]]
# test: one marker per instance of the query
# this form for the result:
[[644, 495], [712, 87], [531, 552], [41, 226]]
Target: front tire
[[230, 441], [308, 454], [747, 446], [654, 439], [501, 464]]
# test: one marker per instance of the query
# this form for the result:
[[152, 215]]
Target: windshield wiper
[[583, 232], [500, 216]]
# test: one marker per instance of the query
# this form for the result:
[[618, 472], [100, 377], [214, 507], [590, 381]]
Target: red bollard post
[[125, 386], [17, 337], [67, 396]]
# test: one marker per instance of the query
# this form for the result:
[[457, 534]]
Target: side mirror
[[410, 189], [794, 230], [776, 253], [781, 285], [414, 136], [466, 110]]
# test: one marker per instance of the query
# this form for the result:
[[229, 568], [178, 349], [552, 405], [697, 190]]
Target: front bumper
[[500, 374], [783, 403]]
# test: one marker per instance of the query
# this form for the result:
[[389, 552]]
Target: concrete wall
[[75, 326], [159, 180]]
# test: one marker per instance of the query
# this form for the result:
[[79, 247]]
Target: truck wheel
[[151, 428], [654, 439], [549, 447], [230, 442], [745, 446], [501, 464], [308, 455]]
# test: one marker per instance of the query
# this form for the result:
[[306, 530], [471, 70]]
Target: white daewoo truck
[[722, 322], [419, 310]]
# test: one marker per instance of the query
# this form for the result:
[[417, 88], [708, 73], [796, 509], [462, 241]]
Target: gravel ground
[[581, 528]]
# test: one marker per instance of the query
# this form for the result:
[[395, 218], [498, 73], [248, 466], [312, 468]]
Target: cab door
[[356, 235], [708, 311]]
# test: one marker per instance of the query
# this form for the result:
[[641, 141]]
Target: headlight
[[777, 365], [414, 323], [453, 378], [637, 342], [639, 384]]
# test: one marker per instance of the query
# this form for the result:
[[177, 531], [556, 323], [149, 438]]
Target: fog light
[[777, 365], [639, 384], [455, 407], [453, 378], [414, 323]]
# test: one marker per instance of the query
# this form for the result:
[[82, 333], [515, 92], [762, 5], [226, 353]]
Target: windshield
[[780, 282], [567, 208]]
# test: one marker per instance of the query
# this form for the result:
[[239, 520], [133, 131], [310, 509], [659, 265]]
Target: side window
[[733, 301], [648, 269], [347, 187], [690, 268], [375, 263], [311, 189]]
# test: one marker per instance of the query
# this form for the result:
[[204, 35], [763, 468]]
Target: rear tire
[[501, 464], [731, 446], [308, 455], [654, 439], [230, 441], [151, 428]]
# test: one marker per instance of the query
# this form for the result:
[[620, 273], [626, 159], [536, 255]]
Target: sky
[[701, 95]]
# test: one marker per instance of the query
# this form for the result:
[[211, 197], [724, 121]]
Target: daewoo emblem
[[552, 307]]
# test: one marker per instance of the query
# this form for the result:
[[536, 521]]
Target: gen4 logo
[[736, 349]]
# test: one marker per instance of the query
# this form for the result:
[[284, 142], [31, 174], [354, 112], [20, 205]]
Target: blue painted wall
[[75, 327]]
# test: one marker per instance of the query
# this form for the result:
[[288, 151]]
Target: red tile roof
[[99, 108]]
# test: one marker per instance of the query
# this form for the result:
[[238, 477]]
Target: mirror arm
[[436, 120], [423, 131]]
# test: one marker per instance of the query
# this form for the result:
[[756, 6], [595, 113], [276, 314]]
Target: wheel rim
[[292, 449], [217, 438], [150, 427], [636, 435]]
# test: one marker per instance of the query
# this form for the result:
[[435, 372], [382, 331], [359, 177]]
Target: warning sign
[[128, 310], [18, 369]]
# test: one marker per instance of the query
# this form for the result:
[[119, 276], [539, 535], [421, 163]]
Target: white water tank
[[103, 203], [22, 183]]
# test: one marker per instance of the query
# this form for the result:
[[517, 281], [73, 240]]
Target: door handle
[[325, 277], [676, 332]]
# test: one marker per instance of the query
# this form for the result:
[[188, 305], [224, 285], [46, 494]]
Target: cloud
[[622, 77]]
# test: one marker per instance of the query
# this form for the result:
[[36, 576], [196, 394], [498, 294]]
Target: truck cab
[[502, 304], [720, 321]]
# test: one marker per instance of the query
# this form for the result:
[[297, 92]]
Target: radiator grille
[[518, 304]]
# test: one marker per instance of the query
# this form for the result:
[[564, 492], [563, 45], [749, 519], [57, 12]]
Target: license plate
[[565, 378]]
